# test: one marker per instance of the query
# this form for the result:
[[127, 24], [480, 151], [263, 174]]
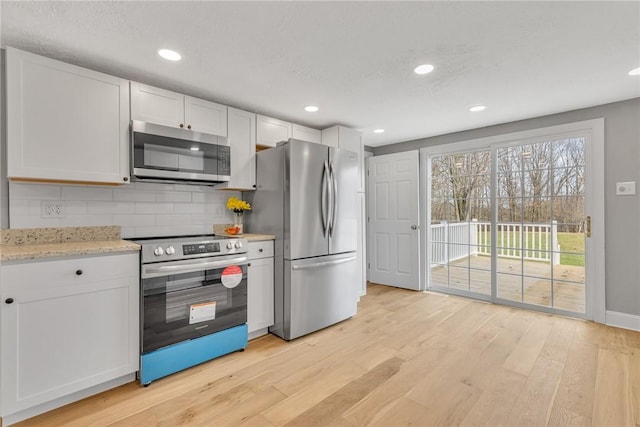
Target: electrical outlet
[[219, 211], [52, 209]]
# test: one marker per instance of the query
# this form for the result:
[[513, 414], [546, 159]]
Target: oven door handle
[[160, 270]]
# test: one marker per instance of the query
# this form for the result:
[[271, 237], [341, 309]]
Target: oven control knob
[[158, 251], [230, 245], [170, 250], [238, 245]]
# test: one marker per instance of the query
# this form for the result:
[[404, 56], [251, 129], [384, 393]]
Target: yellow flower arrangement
[[237, 205]]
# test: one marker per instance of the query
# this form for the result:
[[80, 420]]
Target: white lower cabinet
[[260, 287], [67, 325]]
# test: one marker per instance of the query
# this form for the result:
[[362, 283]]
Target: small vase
[[237, 219]]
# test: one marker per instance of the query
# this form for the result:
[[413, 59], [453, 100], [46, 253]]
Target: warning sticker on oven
[[202, 312], [231, 276]]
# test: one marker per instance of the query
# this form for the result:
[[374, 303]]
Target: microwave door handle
[[159, 270], [325, 173]]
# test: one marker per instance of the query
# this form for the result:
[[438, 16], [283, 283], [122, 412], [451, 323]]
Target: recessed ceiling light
[[194, 149], [378, 131], [635, 72], [423, 69], [169, 55], [477, 108], [311, 108]]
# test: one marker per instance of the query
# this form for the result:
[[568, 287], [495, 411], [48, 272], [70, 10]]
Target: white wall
[[141, 209], [621, 163]]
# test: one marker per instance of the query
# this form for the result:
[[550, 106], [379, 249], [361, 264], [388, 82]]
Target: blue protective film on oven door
[[175, 358]]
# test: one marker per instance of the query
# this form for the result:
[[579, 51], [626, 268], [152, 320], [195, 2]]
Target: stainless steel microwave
[[179, 155]]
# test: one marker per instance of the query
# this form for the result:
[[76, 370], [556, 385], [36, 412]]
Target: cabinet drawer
[[260, 249], [78, 271]]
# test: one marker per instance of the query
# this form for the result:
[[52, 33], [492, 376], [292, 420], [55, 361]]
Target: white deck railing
[[536, 242]]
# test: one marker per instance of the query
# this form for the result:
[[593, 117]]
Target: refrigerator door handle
[[334, 198], [324, 207], [323, 263]]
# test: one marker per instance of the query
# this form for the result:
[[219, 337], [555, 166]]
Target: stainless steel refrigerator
[[306, 197]]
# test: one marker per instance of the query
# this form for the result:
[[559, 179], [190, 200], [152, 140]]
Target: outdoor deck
[[473, 273]]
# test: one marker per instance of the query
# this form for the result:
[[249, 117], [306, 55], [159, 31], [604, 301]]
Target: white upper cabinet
[[155, 105], [205, 116], [270, 131], [65, 123], [242, 139], [347, 139], [306, 134], [160, 106]]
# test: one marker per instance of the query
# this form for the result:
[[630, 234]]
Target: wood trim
[[61, 181]]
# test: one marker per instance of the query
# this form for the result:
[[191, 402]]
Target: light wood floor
[[474, 274], [407, 358]]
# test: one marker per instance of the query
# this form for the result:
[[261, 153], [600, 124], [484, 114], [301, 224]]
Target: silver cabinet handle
[[322, 264], [414, 227]]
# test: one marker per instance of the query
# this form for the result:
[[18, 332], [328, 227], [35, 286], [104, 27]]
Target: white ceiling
[[354, 60]]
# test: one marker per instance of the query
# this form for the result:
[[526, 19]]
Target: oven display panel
[[201, 248]]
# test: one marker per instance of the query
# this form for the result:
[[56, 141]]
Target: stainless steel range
[[194, 302]]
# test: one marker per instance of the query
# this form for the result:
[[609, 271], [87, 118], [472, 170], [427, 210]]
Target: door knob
[[414, 227]]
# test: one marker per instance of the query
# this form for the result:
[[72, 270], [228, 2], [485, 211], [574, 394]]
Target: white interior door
[[394, 232]]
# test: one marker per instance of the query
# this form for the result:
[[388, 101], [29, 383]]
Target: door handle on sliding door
[[587, 226]]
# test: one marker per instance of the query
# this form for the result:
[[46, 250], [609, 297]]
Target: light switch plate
[[625, 188]]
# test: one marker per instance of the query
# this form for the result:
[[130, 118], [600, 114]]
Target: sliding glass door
[[507, 222], [460, 188], [539, 231]]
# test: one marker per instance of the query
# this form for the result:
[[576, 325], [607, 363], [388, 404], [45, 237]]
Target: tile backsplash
[[141, 208]]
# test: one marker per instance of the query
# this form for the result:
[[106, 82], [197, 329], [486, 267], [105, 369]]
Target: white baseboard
[[623, 320]]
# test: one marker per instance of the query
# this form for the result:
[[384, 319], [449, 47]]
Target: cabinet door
[[270, 131], [331, 136], [155, 105], [65, 332], [351, 140], [65, 123], [242, 139], [362, 244], [260, 294], [306, 134], [205, 116], [347, 139]]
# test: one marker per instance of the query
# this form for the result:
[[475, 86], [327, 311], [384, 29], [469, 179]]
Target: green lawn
[[569, 242]]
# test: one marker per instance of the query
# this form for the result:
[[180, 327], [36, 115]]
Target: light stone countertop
[[42, 243], [219, 230]]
